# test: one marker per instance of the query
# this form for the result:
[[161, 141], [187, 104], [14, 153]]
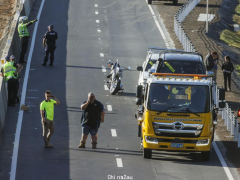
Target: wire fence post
[[226, 112], [232, 123], [238, 136], [236, 130]]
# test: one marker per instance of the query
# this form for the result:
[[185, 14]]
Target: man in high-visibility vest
[[24, 35], [9, 72], [13, 59]]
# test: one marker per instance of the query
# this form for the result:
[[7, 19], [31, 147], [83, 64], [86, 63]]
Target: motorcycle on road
[[115, 77]]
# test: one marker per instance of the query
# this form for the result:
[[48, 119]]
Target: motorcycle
[[115, 78]]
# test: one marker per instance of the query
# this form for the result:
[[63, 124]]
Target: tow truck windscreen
[[178, 98], [181, 67]]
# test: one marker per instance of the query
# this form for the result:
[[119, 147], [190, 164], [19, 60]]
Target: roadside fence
[[230, 120], [179, 31]]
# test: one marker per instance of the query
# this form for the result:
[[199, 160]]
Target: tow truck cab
[[176, 114]]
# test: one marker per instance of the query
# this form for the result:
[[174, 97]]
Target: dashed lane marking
[[96, 12], [104, 69], [99, 30], [114, 132], [105, 87], [119, 162], [97, 21], [109, 107], [101, 54], [96, 5]]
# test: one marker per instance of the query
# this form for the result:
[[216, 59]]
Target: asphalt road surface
[[91, 33]]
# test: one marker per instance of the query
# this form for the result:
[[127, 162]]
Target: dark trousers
[[227, 77], [24, 42], [48, 51], [12, 91]]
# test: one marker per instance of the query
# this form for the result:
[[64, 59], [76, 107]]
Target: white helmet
[[22, 19]]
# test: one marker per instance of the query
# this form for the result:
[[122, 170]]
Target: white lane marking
[[224, 164], [99, 30], [24, 89], [96, 12], [158, 26], [104, 69], [114, 132], [96, 5], [109, 107], [97, 21], [119, 162], [101, 54], [105, 87]]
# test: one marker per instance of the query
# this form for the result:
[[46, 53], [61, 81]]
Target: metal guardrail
[[179, 31]]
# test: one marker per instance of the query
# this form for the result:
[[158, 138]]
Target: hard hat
[[23, 18], [50, 27]]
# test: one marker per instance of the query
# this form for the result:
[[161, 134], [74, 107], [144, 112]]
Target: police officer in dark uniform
[[49, 43]]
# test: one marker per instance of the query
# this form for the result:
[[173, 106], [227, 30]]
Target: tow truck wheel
[[205, 155], [147, 153], [149, 1]]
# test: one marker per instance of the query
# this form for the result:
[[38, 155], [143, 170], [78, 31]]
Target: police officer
[[12, 58], [49, 43], [24, 35], [9, 72]]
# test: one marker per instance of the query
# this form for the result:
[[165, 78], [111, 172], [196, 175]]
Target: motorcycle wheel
[[115, 88]]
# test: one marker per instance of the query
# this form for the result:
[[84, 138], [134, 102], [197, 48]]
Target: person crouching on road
[[47, 114], [92, 116], [227, 69]]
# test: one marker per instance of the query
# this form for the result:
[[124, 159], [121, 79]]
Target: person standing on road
[[92, 116], [227, 69], [24, 35], [47, 114], [49, 43], [9, 71], [12, 58], [211, 61]]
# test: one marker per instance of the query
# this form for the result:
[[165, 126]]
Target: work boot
[[18, 100], [48, 145], [51, 64], [94, 145], [82, 144], [44, 64]]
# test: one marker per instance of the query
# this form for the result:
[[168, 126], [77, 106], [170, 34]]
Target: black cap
[[7, 58], [50, 27]]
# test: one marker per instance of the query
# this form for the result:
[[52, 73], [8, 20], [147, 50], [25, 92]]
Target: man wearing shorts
[[47, 114], [92, 116]]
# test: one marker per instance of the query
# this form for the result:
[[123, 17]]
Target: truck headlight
[[151, 140], [202, 142], [199, 126], [197, 133]]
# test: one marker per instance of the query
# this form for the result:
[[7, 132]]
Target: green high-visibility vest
[[15, 69], [22, 30], [8, 71]]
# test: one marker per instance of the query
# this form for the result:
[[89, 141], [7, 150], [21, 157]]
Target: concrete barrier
[[13, 46]]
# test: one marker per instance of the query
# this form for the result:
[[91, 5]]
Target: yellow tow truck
[[176, 113]]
